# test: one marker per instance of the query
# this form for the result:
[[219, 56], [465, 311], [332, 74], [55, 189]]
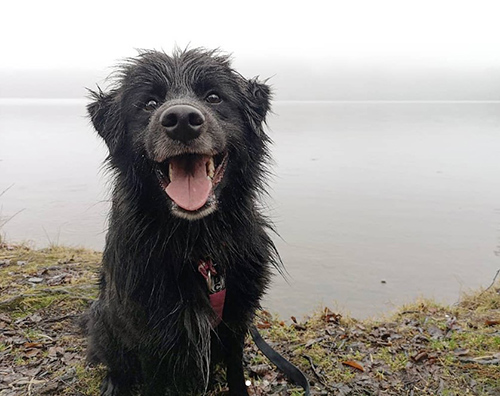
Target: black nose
[[182, 122]]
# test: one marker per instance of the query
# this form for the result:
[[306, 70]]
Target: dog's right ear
[[105, 117], [258, 96]]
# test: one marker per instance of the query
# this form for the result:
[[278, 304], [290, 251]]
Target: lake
[[376, 203]]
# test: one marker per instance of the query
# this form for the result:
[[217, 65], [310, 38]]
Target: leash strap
[[292, 372]]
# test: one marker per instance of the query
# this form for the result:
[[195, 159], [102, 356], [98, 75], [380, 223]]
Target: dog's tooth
[[211, 168], [170, 171]]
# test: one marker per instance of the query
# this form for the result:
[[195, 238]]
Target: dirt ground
[[425, 349]]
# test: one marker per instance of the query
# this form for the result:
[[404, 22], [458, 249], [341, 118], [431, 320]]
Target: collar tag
[[215, 281], [216, 287]]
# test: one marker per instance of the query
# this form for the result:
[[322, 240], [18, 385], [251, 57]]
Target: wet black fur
[[151, 325]]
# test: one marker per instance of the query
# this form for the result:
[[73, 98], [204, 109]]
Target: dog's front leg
[[234, 363]]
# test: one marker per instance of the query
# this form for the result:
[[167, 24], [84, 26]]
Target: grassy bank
[[425, 349]]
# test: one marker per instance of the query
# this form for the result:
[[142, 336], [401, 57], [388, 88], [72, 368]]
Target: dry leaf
[[260, 369], [353, 364], [298, 327], [420, 356], [32, 352], [33, 345], [264, 325], [331, 317]]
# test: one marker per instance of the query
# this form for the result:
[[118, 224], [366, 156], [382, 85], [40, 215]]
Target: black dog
[[187, 255]]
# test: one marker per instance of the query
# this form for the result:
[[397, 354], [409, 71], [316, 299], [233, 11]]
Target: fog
[[358, 50], [299, 81]]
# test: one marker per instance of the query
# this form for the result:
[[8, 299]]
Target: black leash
[[217, 294], [293, 373]]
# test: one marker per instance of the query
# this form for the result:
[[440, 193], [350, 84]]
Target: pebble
[[35, 280]]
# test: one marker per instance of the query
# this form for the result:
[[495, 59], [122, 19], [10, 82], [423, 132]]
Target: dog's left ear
[[259, 103]]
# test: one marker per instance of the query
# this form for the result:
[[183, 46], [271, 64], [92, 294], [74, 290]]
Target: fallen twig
[[42, 292], [315, 371], [487, 360], [59, 318]]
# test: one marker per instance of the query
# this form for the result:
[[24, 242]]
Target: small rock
[[35, 318], [435, 332], [35, 279], [21, 263]]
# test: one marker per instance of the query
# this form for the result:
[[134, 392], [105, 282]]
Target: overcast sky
[[93, 33], [388, 35]]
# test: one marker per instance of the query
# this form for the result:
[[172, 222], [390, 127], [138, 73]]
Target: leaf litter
[[424, 349]]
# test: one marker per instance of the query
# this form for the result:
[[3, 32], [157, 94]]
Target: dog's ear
[[259, 103], [105, 117]]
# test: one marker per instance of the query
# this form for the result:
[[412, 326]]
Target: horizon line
[[5, 100]]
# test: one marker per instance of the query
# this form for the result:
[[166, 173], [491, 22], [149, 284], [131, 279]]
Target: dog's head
[[188, 126]]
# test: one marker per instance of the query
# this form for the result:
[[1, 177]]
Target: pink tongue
[[189, 186]]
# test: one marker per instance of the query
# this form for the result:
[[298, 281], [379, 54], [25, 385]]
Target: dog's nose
[[182, 122]]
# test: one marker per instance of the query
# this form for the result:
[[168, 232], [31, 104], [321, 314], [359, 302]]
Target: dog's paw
[[109, 387]]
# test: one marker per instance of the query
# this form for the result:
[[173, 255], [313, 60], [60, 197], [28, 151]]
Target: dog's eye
[[151, 105], [213, 98]]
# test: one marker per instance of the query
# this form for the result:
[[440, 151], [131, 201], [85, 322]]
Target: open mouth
[[190, 180]]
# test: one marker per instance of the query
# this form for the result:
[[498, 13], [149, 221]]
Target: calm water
[[408, 193]]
